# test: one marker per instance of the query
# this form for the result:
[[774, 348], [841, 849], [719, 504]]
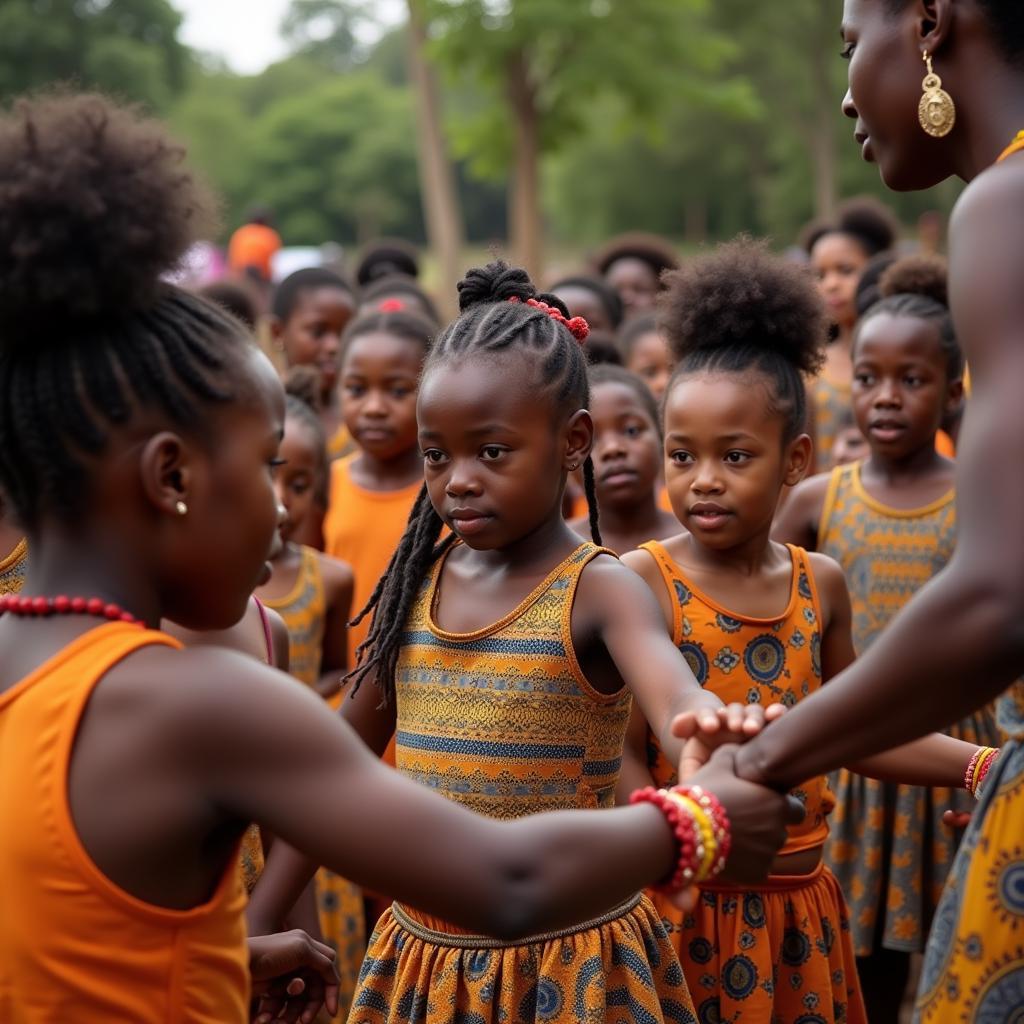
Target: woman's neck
[[991, 116]]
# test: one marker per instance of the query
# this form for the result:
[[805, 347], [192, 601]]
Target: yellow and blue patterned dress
[[13, 568], [778, 952], [889, 847], [339, 901], [503, 721], [832, 400]]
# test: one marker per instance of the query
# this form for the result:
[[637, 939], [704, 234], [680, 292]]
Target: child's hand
[[956, 819], [293, 976], [709, 728]]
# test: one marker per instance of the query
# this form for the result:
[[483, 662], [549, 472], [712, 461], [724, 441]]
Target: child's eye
[[278, 463], [847, 51], [865, 380], [355, 390], [433, 456], [737, 458], [400, 392], [681, 458], [492, 452], [633, 430], [913, 382]]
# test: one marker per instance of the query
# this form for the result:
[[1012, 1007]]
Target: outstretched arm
[[960, 641]]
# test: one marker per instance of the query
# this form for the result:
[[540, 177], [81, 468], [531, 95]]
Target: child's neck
[[388, 474], [896, 471], [537, 552], [633, 519], [747, 559]]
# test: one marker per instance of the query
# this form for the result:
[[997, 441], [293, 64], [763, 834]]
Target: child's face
[[849, 446], [838, 262], [901, 390], [232, 520], [651, 360], [583, 302], [311, 336], [297, 479], [627, 448], [636, 282], [725, 461], [495, 458], [379, 376]]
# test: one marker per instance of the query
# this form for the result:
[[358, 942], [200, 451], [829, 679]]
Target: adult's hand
[[758, 817], [293, 976]]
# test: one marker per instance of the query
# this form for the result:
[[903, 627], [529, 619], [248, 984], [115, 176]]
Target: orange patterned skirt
[[778, 954], [618, 969]]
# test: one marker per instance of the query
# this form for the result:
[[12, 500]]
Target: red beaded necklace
[[43, 606]]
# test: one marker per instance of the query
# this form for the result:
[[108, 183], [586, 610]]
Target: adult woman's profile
[[960, 641]]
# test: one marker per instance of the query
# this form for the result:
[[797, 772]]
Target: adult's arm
[[960, 641]]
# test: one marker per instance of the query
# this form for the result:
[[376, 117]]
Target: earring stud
[[181, 508]]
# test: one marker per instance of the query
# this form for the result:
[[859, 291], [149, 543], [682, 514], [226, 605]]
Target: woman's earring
[[181, 508], [936, 111]]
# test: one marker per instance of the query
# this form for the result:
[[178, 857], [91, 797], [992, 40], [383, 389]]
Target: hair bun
[[95, 205], [917, 275], [741, 295], [496, 282]]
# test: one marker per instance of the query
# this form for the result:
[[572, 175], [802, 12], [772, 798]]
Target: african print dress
[[779, 953], [503, 721], [832, 401], [339, 901], [889, 847]]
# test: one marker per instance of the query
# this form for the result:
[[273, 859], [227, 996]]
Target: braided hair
[[494, 318], [94, 206]]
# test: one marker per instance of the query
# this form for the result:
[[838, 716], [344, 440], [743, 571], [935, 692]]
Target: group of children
[[406, 489]]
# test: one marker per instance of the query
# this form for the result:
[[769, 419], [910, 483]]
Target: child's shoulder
[[829, 581]]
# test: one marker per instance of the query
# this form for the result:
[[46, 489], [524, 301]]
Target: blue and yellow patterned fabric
[[504, 721], [13, 568], [889, 847]]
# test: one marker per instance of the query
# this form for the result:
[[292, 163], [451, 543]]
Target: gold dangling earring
[[936, 111]]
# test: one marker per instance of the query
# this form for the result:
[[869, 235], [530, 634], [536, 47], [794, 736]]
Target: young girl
[[645, 353], [312, 593], [139, 429], [758, 621], [373, 489], [890, 522], [633, 264], [839, 252], [310, 311], [504, 656], [627, 461]]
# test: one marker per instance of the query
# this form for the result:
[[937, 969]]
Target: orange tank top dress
[[779, 950], [363, 528], [73, 945]]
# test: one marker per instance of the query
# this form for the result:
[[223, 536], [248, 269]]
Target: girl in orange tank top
[[139, 430], [372, 490], [758, 622]]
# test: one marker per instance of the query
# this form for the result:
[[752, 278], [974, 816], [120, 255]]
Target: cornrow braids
[[495, 319]]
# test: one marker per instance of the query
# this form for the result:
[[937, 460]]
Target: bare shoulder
[[280, 638], [337, 575], [643, 564], [830, 582], [799, 518], [610, 592]]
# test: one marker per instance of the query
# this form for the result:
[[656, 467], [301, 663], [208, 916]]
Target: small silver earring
[[181, 508]]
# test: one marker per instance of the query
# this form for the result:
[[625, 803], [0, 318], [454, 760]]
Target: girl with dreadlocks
[[139, 428], [505, 657]]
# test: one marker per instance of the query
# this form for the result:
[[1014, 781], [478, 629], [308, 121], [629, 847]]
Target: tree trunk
[[441, 209], [525, 224], [823, 132]]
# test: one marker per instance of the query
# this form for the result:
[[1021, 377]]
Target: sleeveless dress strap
[[829, 506], [670, 577]]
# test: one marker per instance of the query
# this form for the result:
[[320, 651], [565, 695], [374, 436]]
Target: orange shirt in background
[[73, 945], [253, 245], [363, 528]]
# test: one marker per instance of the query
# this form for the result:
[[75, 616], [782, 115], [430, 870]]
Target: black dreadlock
[[489, 323], [88, 333]]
